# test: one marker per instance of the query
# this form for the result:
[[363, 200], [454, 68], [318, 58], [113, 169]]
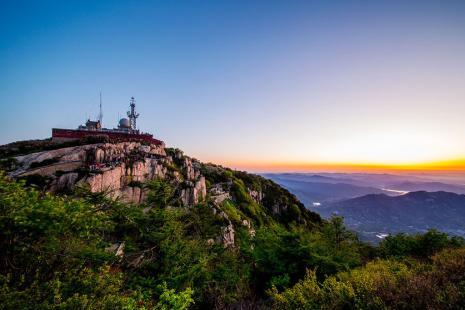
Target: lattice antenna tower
[[132, 114], [100, 114]]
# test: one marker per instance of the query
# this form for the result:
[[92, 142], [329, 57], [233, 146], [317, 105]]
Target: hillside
[[411, 213], [95, 225], [123, 171], [144, 189]]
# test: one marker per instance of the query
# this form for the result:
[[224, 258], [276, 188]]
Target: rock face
[[255, 195], [218, 194], [117, 168], [227, 234], [237, 200], [194, 194], [121, 169]]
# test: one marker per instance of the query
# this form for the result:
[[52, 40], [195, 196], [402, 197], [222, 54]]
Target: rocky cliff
[[119, 169], [124, 170]]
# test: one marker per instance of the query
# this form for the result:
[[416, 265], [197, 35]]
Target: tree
[[337, 232], [160, 194]]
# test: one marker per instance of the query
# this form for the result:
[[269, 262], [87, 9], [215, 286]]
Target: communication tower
[[132, 114]]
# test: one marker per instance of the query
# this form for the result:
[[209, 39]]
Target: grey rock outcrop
[[67, 181], [117, 249], [218, 194], [194, 192], [255, 195], [227, 234], [117, 168], [250, 229]]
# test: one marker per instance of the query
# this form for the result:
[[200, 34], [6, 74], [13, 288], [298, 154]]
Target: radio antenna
[[100, 115]]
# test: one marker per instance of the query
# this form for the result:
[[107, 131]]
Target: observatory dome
[[124, 123]]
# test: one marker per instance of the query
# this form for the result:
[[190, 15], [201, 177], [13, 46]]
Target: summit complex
[[126, 130]]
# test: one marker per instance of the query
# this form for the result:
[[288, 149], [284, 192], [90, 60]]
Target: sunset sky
[[256, 85]]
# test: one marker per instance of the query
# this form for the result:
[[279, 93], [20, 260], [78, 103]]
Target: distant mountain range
[[375, 205], [330, 187], [311, 193], [378, 214], [412, 186]]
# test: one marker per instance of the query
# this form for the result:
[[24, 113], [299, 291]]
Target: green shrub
[[419, 245], [160, 193], [233, 213], [384, 284]]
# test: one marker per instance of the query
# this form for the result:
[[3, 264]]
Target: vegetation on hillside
[[86, 251], [32, 146], [278, 204], [434, 283]]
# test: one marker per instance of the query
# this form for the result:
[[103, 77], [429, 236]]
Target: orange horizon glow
[[452, 165]]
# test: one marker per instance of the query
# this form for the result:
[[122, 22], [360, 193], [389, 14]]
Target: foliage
[[420, 245], [283, 254], [87, 289], [183, 256], [32, 146], [384, 284], [8, 163], [234, 214], [268, 210], [55, 254], [169, 300], [161, 193]]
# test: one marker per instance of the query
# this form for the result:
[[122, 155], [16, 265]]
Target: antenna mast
[[100, 115], [132, 114]]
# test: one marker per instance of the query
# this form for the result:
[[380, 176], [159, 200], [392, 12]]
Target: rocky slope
[[123, 171], [118, 169]]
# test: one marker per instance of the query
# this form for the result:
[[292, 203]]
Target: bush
[[420, 245], [384, 284], [9, 163], [160, 193], [233, 213]]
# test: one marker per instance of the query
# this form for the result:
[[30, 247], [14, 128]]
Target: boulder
[[227, 235], [67, 181], [194, 192]]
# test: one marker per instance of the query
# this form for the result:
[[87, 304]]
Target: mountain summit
[[125, 170], [94, 224]]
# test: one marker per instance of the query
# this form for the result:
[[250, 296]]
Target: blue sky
[[244, 83]]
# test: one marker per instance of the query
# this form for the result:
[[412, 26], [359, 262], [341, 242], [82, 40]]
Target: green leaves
[[384, 284], [170, 300], [39, 230], [160, 194], [419, 246], [53, 256], [53, 253]]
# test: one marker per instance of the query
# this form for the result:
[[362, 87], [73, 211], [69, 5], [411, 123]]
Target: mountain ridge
[[134, 226], [413, 212], [123, 170]]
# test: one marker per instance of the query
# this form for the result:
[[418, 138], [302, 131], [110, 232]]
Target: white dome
[[124, 123]]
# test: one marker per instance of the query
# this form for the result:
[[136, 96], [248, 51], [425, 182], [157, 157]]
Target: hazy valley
[[375, 205]]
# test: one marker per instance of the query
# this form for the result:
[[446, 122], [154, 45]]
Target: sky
[[255, 85]]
